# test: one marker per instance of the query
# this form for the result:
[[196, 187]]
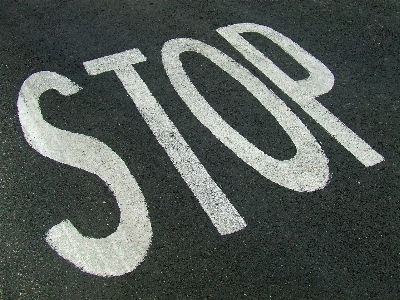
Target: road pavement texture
[[199, 150]]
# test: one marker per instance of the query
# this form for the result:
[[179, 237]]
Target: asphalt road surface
[[199, 150]]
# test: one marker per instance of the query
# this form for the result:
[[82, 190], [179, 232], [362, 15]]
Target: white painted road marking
[[304, 91], [122, 251], [222, 213], [306, 171]]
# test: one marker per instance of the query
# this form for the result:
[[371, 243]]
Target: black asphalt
[[341, 242]]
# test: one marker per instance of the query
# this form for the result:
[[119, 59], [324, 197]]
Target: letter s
[[122, 251]]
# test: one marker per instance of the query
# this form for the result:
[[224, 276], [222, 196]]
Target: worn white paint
[[303, 91], [306, 171], [122, 251], [214, 202]]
